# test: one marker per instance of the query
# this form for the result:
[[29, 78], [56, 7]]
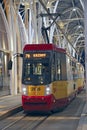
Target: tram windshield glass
[[36, 69]]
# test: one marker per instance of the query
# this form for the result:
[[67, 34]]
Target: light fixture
[[79, 26], [61, 24], [74, 9]]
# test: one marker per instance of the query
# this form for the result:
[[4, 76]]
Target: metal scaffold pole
[[85, 23]]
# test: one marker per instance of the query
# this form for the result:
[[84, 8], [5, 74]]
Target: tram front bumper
[[38, 103]]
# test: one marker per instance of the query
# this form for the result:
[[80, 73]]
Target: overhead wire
[[50, 16]]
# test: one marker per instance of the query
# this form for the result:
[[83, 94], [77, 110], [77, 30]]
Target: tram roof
[[32, 47]]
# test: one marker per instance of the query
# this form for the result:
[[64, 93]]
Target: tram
[[51, 78]]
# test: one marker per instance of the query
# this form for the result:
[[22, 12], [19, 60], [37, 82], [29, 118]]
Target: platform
[[83, 119], [9, 105]]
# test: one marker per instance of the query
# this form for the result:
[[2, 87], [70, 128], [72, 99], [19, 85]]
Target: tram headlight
[[48, 89], [24, 91]]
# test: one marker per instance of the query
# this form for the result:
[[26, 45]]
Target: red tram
[[50, 77]]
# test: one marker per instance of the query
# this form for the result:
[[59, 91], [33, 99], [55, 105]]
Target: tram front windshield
[[36, 71]]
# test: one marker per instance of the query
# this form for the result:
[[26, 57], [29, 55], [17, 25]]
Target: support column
[[13, 73], [34, 21], [85, 22]]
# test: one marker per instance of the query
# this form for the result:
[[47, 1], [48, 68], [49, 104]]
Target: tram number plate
[[35, 89]]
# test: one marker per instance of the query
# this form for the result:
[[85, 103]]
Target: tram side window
[[61, 66], [74, 71], [58, 69], [53, 68]]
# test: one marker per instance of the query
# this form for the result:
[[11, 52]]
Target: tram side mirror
[[10, 65], [20, 55]]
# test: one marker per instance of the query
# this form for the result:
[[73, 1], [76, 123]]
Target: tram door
[[4, 74]]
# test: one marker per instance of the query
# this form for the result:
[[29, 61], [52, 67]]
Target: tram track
[[39, 123], [25, 121], [10, 123]]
